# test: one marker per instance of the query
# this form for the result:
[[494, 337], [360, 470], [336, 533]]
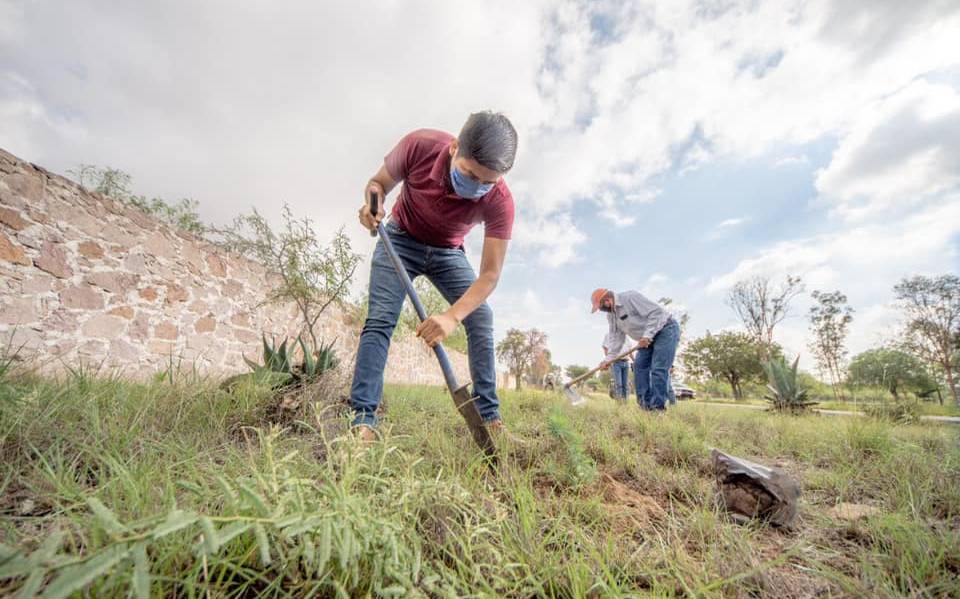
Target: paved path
[[948, 419]]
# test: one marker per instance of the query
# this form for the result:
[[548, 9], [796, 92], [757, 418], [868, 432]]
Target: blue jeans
[[620, 371], [651, 367], [451, 274]]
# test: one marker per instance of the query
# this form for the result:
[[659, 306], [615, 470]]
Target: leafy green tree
[[734, 357], [519, 349], [830, 319], [312, 275], [894, 370], [932, 308], [575, 370]]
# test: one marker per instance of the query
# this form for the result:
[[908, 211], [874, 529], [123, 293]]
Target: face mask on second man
[[467, 187]]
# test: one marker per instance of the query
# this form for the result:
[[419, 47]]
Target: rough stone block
[[245, 336], [18, 311], [28, 185], [149, 293], [166, 330], [160, 245], [160, 347], [53, 259], [175, 293], [31, 238], [205, 325], [198, 307], [90, 249], [123, 352], [232, 288], [81, 297], [113, 281], [140, 328], [12, 252], [122, 312], [215, 266], [38, 283], [103, 326], [13, 219], [134, 263]]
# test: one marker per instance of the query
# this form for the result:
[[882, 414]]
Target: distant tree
[[932, 308], [830, 319], [761, 306], [519, 349], [730, 356], [117, 184], [312, 275], [540, 366], [575, 370], [894, 370]]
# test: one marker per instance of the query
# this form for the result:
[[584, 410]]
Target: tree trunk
[[517, 377], [951, 382], [735, 386]]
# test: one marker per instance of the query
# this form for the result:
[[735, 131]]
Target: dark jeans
[[651, 367], [451, 274], [620, 371]]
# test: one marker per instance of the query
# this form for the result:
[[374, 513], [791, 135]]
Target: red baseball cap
[[595, 298]]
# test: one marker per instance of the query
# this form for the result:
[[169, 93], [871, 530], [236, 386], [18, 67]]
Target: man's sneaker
[[366, 434]]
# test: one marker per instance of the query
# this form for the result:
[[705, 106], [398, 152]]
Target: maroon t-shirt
[[428, 209]]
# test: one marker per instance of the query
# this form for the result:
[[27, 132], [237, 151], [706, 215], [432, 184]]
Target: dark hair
[[490, 139]]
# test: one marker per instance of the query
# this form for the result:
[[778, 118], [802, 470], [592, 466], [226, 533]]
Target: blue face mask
[[468, 188]]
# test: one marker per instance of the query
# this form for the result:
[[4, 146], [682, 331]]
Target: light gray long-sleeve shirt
[[634, 315]]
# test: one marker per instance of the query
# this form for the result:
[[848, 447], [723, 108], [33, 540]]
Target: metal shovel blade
[[466, 405], [575, 398]]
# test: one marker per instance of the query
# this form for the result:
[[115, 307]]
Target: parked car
[[684, 392]]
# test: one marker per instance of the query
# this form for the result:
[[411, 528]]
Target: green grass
[[121, 488], [923, 408]]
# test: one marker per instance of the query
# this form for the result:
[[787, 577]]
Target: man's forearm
[[475, 295]]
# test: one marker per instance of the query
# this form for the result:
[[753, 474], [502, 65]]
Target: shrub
[[894, 411]]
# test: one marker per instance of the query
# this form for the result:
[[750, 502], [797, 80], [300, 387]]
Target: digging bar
[[462, 397]]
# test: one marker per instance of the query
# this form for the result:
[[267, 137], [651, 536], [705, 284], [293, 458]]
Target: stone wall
[[87, 279]]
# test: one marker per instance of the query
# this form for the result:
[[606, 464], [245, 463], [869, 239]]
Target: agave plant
[[278, 368], [315, 363], [786, 394]]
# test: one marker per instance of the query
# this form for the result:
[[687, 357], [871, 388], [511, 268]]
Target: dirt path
[[947, 419]]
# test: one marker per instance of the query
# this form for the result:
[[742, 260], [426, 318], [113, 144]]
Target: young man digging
[[449, 185]]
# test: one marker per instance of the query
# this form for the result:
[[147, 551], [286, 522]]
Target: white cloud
[[555, 239], [723, 227], [900, 151], [656, 285], [731, 222]]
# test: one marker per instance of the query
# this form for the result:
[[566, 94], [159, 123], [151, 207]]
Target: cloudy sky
[[667, 146]]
